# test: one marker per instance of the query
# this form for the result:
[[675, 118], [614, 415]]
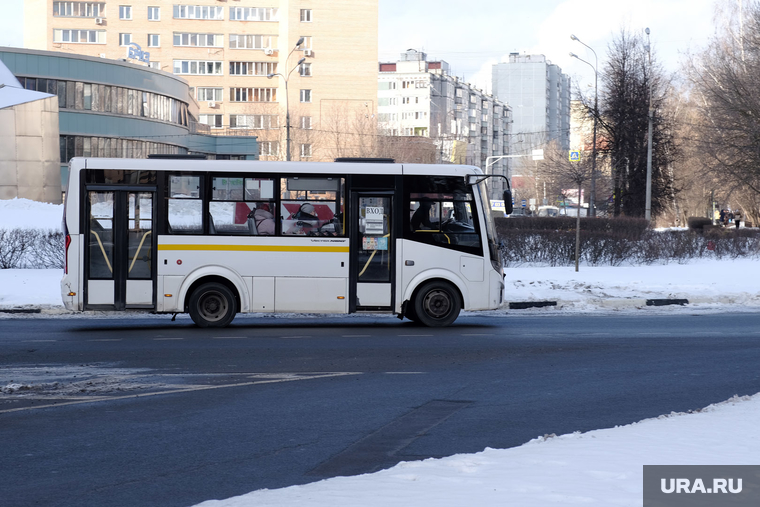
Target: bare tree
[[628, 80], [569, 174], [727, 97]]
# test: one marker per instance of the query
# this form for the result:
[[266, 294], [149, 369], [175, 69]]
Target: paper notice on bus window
[[374, 220], [267, 189], [374, 243]]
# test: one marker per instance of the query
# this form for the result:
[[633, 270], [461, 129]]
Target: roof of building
[[11, 91]]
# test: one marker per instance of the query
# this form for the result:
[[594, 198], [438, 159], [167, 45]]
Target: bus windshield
[[493, 246]]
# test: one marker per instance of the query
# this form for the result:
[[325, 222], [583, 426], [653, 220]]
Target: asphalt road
[[156, 413]]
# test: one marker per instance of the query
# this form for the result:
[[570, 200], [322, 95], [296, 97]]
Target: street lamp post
[[648, 204], [287, 108], [592, 197]]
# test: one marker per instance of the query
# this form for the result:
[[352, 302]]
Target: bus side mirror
[[508, 208]]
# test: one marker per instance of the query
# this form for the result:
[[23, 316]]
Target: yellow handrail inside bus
[[370, 259], [105, 255], [137, 253]]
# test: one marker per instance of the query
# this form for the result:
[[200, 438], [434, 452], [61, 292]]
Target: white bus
[[214, 238]]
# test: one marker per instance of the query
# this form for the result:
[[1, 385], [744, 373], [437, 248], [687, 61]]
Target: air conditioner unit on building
[[307, 52], [102, 55], [269, 51], [211, 103], [99, 21]]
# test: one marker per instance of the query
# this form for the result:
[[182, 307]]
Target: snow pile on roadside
[[601, 467], [700, 281], [26, 214]]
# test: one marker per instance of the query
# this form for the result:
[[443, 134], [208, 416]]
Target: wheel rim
[[213, 306], [437, 303]]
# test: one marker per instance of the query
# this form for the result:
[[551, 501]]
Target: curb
[[606, 303], [20, 310]]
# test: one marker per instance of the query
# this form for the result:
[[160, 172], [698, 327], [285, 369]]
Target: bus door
[[372, 251], [119, 262]]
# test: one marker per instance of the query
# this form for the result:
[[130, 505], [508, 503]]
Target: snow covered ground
[[602, 467]]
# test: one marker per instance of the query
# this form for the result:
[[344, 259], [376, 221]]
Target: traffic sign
[[575, 156], [524, 203]]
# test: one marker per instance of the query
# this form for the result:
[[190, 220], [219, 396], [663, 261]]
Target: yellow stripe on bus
[[256, 248]]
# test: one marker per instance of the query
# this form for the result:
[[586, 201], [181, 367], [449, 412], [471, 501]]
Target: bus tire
[[436, 304], [212, 305]]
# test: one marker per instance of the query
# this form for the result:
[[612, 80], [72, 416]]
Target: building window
[[87, 92], [253, 41], [125, 39], [253, 13], [198, 12], [306, 42], [210, 94], [154, 65], [79, 9], [125, 12], [154, 13], [252, 68], [269, 148], [305, 150], [80, 36], [154, 40], [212, 120], [306, 122], [203, 40], [198, 67], [305, 95], [305, 70], [253, 94], [306, 15], [254, 121]]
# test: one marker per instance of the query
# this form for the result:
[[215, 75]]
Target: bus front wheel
[[437, 304], [212, 305]]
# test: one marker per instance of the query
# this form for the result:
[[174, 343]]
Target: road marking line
[[479, 334], [39, 341], [291, 378], [296, 336], [166, 339], [413, 335]]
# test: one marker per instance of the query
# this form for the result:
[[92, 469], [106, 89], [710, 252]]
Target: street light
[[287, 108], [648, 205], [592, 197]]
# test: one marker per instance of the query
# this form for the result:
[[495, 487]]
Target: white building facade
[[417, 97], [539, 95]]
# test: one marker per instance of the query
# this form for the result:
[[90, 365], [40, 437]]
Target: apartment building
[[417, 97], [241, 58], [539, 95]]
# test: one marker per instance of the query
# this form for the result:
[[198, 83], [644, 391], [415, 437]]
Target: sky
[[602, 467], [472, 36]]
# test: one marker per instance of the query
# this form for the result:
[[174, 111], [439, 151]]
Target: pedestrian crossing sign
[[575, 156]]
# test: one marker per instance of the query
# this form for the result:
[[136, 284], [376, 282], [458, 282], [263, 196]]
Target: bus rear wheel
[[437, 304], [212, 305]]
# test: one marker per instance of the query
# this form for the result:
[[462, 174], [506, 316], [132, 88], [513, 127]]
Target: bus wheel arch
[[435, 303], [212, 301]]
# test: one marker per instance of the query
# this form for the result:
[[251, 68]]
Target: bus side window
[[185, 207]]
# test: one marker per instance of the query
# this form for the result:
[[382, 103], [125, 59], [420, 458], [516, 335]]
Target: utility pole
[[648, 206]]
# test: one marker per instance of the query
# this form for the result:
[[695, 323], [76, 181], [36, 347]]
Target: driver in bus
[[421, 217]]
